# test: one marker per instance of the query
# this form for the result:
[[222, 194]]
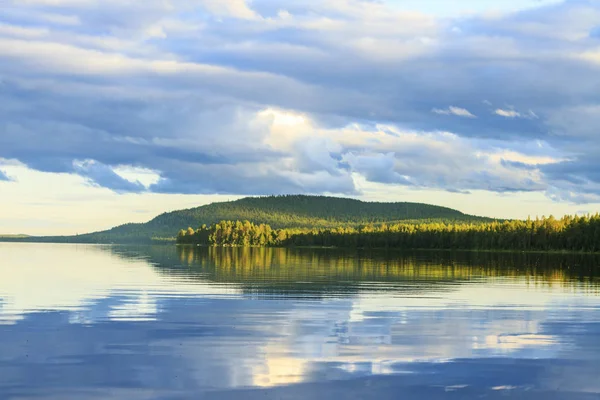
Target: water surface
[[168, 322]]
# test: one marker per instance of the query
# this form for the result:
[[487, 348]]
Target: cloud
[[459, 112], [264, 97], [102, 175], [377, 168], [579, 122], [4, 177], [514, 114], [232, 8], [385, 154], [576, 180], [507, 113]]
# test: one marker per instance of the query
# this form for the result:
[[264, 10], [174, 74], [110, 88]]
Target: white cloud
[[507, 113], [511, 113], [386, 154], [232, 8], [459, 112], [135, 174]]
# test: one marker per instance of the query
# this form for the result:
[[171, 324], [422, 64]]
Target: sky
[[115, 111]]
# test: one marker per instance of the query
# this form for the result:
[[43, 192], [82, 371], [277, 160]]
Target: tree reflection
[[320, 269]]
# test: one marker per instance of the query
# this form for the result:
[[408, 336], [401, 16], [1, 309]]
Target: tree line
[[571, 233]]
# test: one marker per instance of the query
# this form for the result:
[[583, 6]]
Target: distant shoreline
[[35, 240]]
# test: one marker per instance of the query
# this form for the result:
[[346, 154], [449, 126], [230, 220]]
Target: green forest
[[571, 233], [280, 212]]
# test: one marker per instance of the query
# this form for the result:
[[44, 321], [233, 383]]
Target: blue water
[[97, 322]]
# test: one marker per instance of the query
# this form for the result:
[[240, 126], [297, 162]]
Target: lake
[[167, 322]]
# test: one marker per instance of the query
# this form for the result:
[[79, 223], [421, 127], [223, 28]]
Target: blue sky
[[115, 111]]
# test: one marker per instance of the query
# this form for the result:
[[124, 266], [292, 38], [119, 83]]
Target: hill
[[292, 211]]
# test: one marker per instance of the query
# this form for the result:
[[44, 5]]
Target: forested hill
[[279, 212]]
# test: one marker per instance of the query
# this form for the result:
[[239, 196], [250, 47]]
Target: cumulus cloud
[[265, 96]]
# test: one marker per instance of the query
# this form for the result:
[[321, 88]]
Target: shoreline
[[507, 251], [393, 249]]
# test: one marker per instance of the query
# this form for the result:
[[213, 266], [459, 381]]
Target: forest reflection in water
[[327, 270]]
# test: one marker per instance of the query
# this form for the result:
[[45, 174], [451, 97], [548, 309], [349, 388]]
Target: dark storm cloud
[[179, 90]]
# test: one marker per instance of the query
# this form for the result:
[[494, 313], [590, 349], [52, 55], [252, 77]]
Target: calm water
[[87, 322]]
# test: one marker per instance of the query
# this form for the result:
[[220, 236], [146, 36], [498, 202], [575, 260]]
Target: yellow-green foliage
[[578, 233]]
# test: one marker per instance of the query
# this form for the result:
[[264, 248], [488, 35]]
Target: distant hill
[[292, 211]]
